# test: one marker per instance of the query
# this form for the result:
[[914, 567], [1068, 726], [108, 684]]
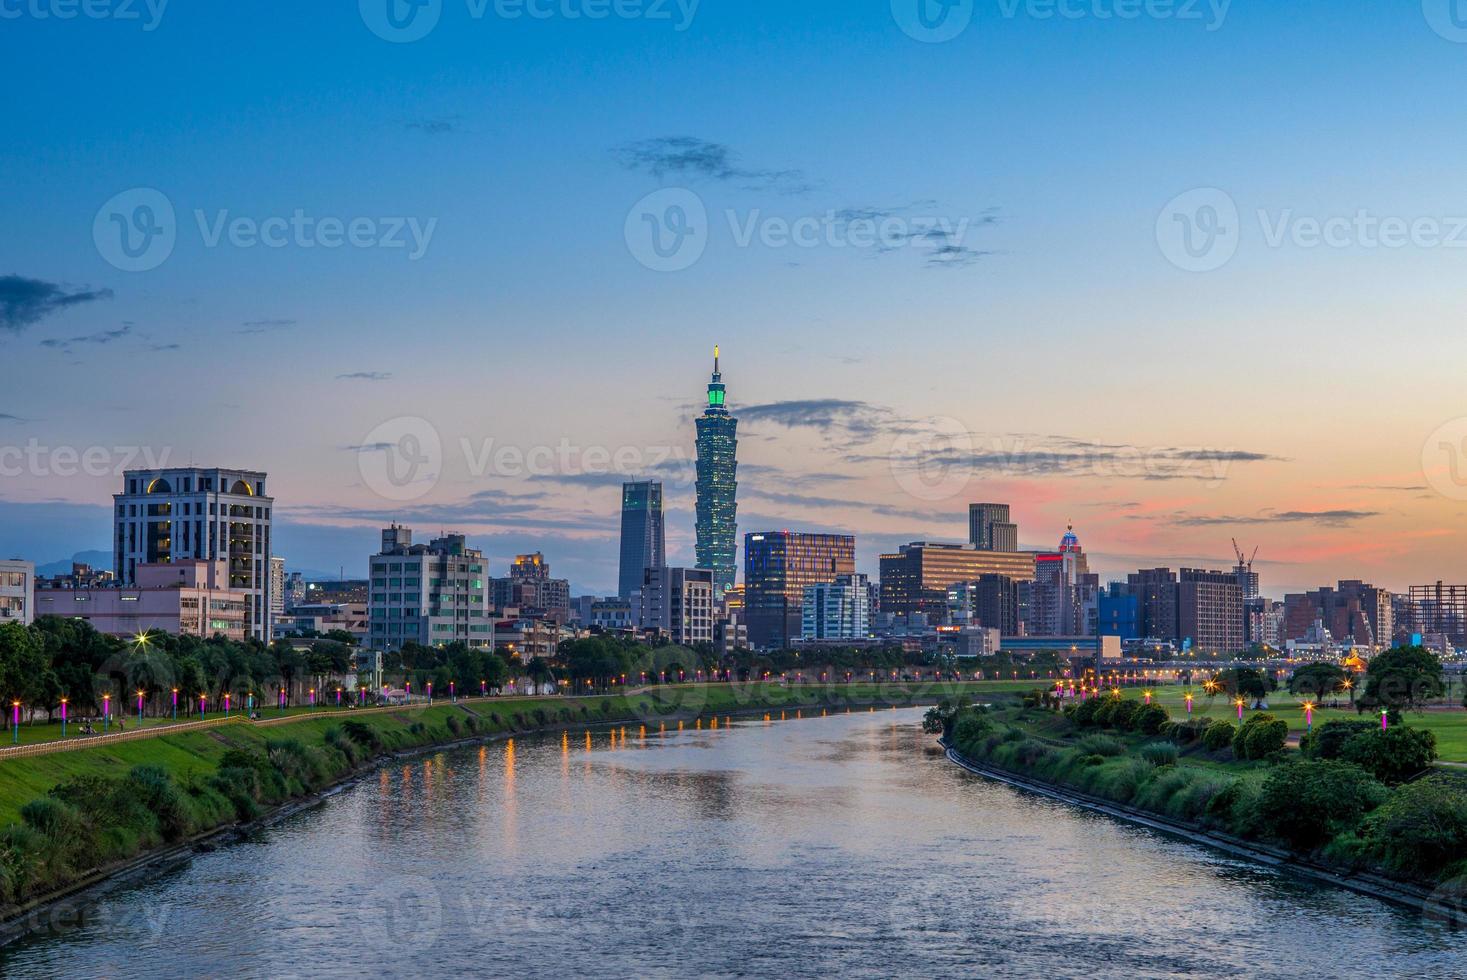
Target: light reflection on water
[[836, 844]]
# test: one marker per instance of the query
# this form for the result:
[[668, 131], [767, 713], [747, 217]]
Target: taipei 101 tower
[[717, 545]]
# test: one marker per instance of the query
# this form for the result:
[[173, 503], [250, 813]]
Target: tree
[[1402, 679], [1245, 682], [1328, 740], [1392, 756], [1318, 679], [1420, 830], [1308, 804]]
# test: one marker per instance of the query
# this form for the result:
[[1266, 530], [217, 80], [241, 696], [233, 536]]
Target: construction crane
[[1244, 563]]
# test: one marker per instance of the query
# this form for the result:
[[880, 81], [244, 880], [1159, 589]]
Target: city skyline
[[1049, 282]]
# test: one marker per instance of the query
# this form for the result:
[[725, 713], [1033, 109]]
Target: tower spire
[[715, 358]]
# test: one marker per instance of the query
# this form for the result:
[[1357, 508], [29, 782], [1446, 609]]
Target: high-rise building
[[1351, 611], [1063, 586], [717, 507], [432, 594], [1117, 612], [990, 602], [168, 515], [778, 566], [679, 602], [1155, 590], [1210, 611], [989, 528], [17, 582], [530, 589], [642, 543], [277, 586], [837, 610], [916, 579]]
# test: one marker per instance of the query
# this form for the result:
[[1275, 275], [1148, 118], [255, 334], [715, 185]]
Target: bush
[[1150, 719], [1123, 713], [156, 791], [454, 727], [363, 734], [1392, 756], [1219, 735], [1101, 745], [1260, 737], [1307, 804], [1160, 753], [1328, 740], [1421, 830], [969, 729], [1086, 711]]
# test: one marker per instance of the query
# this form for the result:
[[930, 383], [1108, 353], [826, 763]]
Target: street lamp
[[1240, 702], [175, 704], [15, 707], [1188, 698], [1309, 715], [140, 709], [226, 704], [203, 705], [63, 717], [106, 712]]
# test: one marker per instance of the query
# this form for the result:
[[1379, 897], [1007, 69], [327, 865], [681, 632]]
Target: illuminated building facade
[[717, 507], [916, 579], [778, 567]]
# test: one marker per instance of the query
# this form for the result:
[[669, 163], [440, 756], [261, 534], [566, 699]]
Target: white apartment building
[[432, 594], [17, 579]]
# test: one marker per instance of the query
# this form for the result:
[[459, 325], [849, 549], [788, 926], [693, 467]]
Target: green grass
[[185, 754]]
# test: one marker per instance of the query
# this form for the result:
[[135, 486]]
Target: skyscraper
[[989, 528], [642, 542], [778, 565], [717, 544], [195, 513]]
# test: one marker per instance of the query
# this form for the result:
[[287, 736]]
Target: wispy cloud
[[691, 158], [265, 326], [100, 338], [1323, 518], [24, 301], [436, 126], [859, 418], [365, 376]]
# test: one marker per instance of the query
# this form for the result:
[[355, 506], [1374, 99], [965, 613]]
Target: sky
[[1175, 272]]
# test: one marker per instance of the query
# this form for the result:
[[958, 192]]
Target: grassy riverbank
[[68, 814], [1348, 805]]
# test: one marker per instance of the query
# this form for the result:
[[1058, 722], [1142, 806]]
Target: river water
[[840, 844]]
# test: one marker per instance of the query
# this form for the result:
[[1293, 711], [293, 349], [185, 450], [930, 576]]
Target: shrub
[[1100, 745], [1218, 736], [1306, 804], [1260, 737], [1160, 753], [1421, 830], [1150, 719], [1328, 740], [156, 791], [1123, 713], [1085, 712], [969, 729], [363, 734], [454, 726], [1392, 756]]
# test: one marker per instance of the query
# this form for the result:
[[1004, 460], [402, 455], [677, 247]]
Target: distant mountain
[[97, 559]]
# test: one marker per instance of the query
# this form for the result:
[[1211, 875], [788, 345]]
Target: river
[[841, 844]]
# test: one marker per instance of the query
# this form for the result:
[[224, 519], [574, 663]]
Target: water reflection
[[838, 844]]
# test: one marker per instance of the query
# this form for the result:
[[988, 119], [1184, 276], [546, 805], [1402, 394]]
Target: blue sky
[[1054, 321]]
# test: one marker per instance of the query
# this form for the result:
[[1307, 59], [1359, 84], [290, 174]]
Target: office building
[[17, 582], [1117, 613], [1155, 590], [195, 513], [990, 602], [1352, 611], [1063, 586], [327, 617], [678, 602], [778, 567], [277, 586], [642, 542], [433, 594], [1210, 611], [989, 528], [186, 597], [611, 615], [717, 489], [530, 589], [837, 610], [916, 579]]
